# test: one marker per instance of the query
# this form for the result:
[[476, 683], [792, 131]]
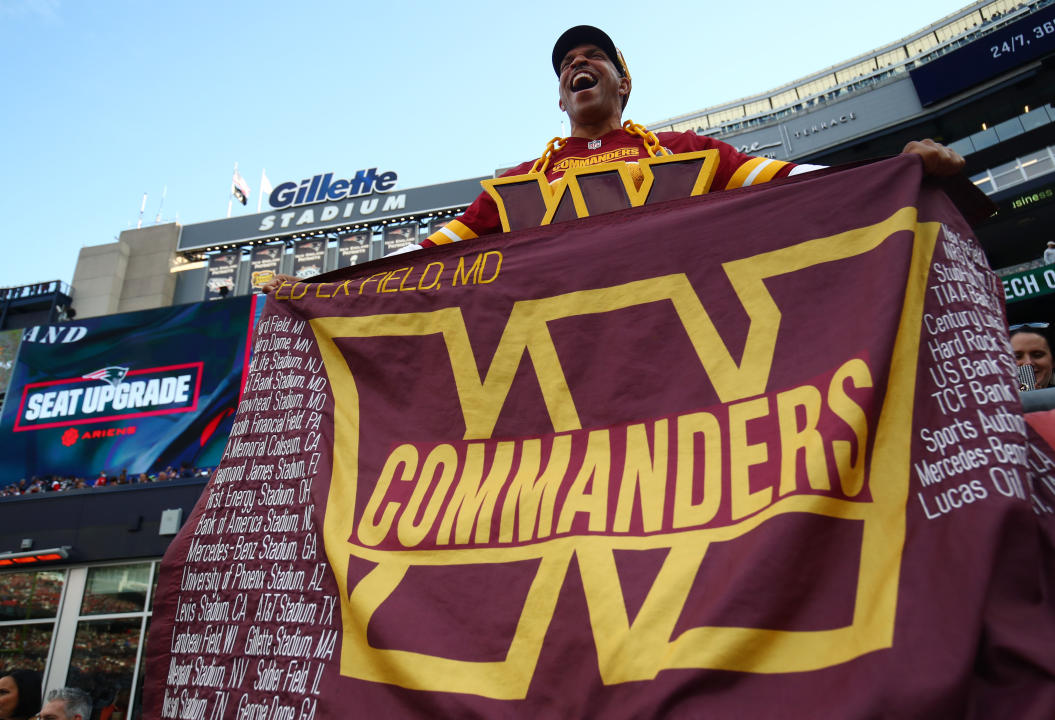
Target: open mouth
[[582, 81]]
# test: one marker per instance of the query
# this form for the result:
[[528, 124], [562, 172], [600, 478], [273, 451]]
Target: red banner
[[753, 454]]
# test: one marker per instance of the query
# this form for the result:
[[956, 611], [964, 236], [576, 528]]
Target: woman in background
[[19, 694], [1031, 343]]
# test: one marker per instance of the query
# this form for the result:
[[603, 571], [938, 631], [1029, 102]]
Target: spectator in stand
[[67, 704], [1031, 343], [19, 694], [1049, 253], [58, 483]]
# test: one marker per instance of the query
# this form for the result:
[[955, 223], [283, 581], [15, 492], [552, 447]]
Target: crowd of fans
[[30, 595], [59, 483]]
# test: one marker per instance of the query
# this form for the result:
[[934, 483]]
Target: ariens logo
[[323, 188], [72, 435]]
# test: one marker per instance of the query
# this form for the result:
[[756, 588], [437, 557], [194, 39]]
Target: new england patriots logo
[[112, 375]]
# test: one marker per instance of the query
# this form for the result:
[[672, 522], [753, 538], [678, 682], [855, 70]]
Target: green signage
[[1029, 284]]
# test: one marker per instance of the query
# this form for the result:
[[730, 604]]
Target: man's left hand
[[937, 159]]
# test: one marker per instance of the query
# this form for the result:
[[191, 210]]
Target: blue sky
[[110, 99]]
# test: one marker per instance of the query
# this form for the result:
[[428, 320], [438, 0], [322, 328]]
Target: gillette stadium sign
[[323, 188], [327, 202]]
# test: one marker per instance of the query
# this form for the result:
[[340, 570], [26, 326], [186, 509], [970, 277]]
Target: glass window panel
[[726, 115], [816, 86], [30, 595], [996, 9], [958, 27], [759, 106], [1036, 118], [1034, 167], [154, 586], [1004, 168], [892, 57], [116, 589], [921, 45], [1008, 129], [861, 68], [1008, 178], [104, 657], [137, 703], [25, 646], [788, 97], [984, 139]]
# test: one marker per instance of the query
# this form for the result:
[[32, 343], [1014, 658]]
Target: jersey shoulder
[[689, 141]]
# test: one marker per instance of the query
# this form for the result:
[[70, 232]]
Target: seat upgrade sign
[[110, 393], [135, 391]]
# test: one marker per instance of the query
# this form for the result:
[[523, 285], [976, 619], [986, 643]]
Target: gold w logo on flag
[[628, 650], [527, 201]]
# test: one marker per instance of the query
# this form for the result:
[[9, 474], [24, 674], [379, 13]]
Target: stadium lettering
[[688, 471], [54, 333], [321, 188], [365, 207], [133, 395]]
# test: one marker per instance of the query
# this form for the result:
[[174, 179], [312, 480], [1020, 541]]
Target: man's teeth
[[583, 81]]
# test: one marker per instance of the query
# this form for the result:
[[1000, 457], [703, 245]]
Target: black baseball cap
[[587, 35]]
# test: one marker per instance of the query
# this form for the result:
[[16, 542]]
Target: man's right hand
[[938, 160], [405, 249], [276, 282]]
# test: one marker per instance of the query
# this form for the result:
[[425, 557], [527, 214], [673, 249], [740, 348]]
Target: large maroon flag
[[754, 454]]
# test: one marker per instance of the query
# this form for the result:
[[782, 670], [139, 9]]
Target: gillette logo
[[323, 188]]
